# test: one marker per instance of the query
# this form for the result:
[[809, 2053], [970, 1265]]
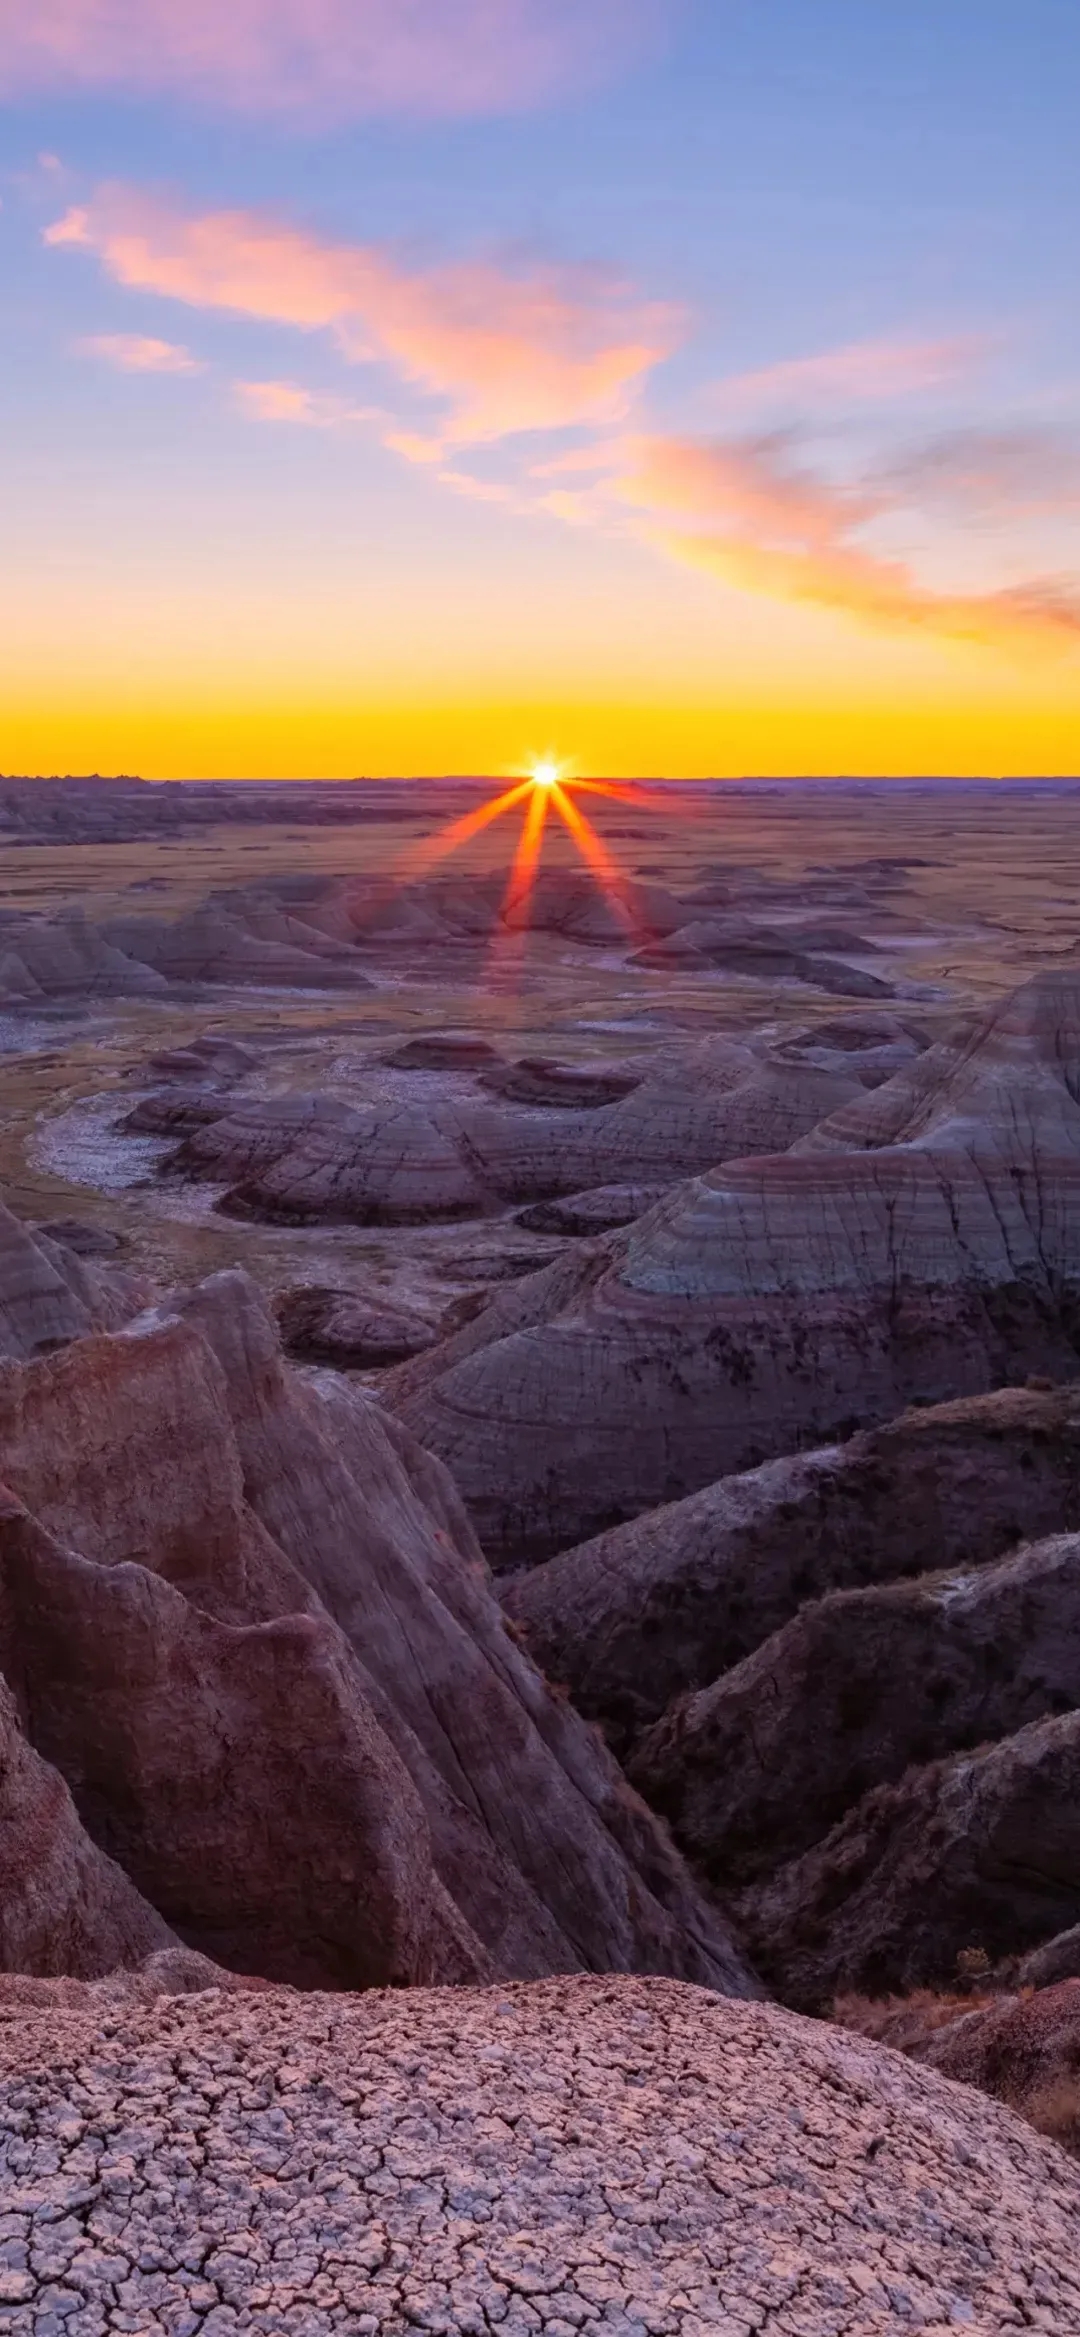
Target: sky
[[663, 386]]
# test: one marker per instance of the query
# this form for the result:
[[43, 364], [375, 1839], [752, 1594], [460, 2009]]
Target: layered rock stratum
[[245, 1620], [50, 1293], [780, 1301], [860, 1688], [408, 1158], [311, 932]]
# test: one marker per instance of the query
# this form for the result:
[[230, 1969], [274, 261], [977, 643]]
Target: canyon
[[540, 1563]]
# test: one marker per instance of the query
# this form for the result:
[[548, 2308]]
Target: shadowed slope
[[665, 1603]]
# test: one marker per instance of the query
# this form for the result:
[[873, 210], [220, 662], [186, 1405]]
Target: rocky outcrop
[[234, 939], [858, 1688], [978, 1851], [85, 1240], [352, 1330], [999, 1089], [309, 1160], [1056, 1959], [767, 957], [580, 2153], [213, 1059], [666, 1603], [797, 1765], [64, 1906], [1015, 2039], [48, 1294], [231, 1771], [602, 1209], [248, 1623], [398, 1160], [543, 1079], [874, 1046], [443, 1051], [1025, 2051], [65, 957], [778, 1302], [173, 1114], [712, 1100], [566, 902]]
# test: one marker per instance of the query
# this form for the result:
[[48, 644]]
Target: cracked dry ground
[[608, 2155]]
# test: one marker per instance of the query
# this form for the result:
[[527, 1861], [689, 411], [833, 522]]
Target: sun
[[541, 790]]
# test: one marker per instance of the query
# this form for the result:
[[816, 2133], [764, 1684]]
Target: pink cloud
[[336, 57], [289, 401], [506, 352], [764, 527], [140, 353], [748, 485], [862, 372]]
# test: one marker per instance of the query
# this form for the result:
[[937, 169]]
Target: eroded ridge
[[585, 2154]]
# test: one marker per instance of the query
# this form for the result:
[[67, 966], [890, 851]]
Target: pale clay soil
[[622, 2156]]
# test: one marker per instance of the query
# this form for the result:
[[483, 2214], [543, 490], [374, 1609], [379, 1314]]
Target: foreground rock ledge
[[618, 2155]]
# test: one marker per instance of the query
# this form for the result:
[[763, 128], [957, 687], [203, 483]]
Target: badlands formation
[[539, 1569]]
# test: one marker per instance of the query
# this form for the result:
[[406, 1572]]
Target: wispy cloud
[[139, 353], [330, 57], [764, 526], [289, 401], [505, 355], [992, 473], [859, 373], [503, 352]]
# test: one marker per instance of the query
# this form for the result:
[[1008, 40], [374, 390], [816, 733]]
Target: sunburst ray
[[543, 790], [511, 930], [425, 856], [613, 884]]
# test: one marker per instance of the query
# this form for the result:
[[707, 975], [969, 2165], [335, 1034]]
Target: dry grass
[[1054, 2110], [1050, 2102], [906, 2022]]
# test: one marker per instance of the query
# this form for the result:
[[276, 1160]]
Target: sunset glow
[[398, 389], [543, 793]]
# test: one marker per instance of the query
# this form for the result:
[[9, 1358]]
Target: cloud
[[507, 355], [750, 485], [505, 352], [335, 58], [289, 401], [993, 473], [861, 372], [139, 353], [766, 527]]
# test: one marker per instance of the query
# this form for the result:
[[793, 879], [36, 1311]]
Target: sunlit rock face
[[245, 1619], [67, 957], [779, 1301]]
